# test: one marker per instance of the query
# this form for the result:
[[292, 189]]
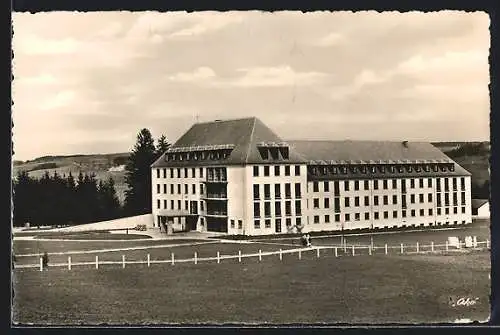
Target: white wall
[[128, 222], [484, 211], [236, 203], [272, 179]]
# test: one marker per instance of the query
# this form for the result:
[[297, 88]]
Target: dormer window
[[452, 167], [409, 168], [363, 169], [180, 157], [195, 156], [284, 152], [401, 169], [443, 168], [373, 169], [427, 168]]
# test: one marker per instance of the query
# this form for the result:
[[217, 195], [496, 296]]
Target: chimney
[[405, 144]]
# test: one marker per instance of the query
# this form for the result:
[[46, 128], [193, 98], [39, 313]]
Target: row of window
[[277, 208], [385, 200], [172, 189], [277, 191], [360, 168], [277, 223], [217, 173], [276, 170], [179, 205], [376, 215], [179, 173], [384, 184], [198, 155]]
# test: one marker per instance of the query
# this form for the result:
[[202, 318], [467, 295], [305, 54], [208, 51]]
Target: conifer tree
[[138, 175]]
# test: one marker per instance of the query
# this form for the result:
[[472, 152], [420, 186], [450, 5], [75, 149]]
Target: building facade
[[238, 177]]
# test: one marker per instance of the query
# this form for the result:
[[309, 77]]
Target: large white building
[[239, 177]]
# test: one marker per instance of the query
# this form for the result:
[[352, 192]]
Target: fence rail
[[337, 251]]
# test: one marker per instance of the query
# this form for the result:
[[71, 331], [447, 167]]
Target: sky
[[88, 82]]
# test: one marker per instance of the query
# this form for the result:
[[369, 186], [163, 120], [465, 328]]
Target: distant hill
[[103, 165], [473, 156]]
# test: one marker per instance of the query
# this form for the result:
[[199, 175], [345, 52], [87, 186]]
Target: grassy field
[[362, 289]]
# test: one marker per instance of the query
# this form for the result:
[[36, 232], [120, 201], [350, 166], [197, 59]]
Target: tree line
[[64, 200]]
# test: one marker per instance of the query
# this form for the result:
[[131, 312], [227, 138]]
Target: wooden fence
[[336, 250]]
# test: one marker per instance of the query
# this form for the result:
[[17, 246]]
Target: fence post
[[385, 247], [97, 262], [123, 261], [300, 254], [195, 257], [446, 245], [172, 256], [336, 252], [41, 264], [402, 248], [239, 256], [353, 250], [149, 260], [69, 262], [317, 252], [370, 250], [418, 249], [432, 246], [281, 255], [218, 257], [260, 255]]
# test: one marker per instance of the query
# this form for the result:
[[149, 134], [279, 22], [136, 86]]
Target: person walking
[[45, 261]]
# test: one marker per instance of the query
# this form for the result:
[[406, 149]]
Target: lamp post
[[342, 241], [371, 235]]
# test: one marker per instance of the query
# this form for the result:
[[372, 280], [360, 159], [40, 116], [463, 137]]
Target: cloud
[[34, 45], [207, 23], [282, 75], [450, 60], [180, 25], [61, 99], [329, 40], [42, 79], [111, 30], [200, 74]]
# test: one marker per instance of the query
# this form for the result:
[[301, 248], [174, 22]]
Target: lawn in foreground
[[361, 289]]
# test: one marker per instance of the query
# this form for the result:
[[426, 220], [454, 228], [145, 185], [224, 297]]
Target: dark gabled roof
[[476, 203], [372, 151], [243, 134]]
